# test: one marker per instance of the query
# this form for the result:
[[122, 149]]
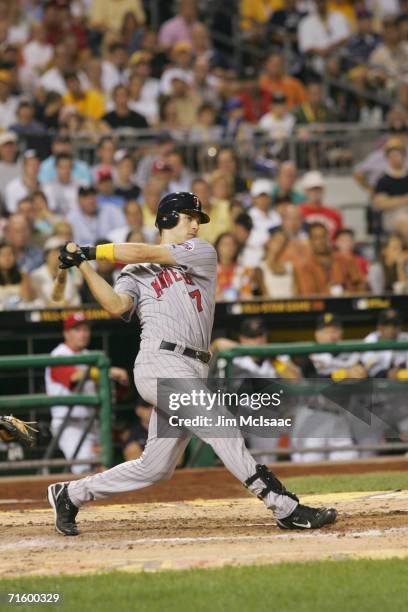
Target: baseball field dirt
[[134, 535]]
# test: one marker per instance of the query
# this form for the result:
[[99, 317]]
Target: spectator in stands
[[313, 210], [345, 243], [134, 438], [179, 28], [44, 219], [115, 71], [14, 283], [297, 247], [62, 192], [80, 169], [276, 80], [26, 125], [234, 125], [53, 78], [10, 167], [227, 162], [107, 16], [26, 184], [206, 84], [163, 145], [220, 214], [93, 74], [181, 176], [314, 109], [391, 191], [283, 24], [161, 171], [63, 380], [169, 119], [278, 122], [125, 187], [390, 273], [185, 98], [17, 235], [389, 60], [63, 229], [107, 270], [137, 104], [263, 217], [49, 112], [90, 222], [122, 116], [284, 189], [88, 102], [134, 224], [131, 32], [316, 425], [37, 54], [234, 281], [8, 101], [42, 279], [273, 277], [360, 45], [106, 194], [105, 152], [149, 201], [205, 129], [25, 207], [326, 272], [242, 227], [322, 33], [181, 56], [140, 65], [221, 190]]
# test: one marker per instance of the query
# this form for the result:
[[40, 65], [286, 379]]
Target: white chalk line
[[58, 542]]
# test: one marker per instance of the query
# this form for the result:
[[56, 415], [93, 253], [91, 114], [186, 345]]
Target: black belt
[[188, 352]]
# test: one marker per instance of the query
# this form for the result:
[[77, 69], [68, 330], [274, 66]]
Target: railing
[[101, 398]]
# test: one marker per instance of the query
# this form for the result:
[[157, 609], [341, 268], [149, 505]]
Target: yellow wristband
[[105, 251], [339, 374], [402, 374], [94, 373]]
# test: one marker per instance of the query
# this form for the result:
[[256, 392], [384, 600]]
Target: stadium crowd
[[76, 76]]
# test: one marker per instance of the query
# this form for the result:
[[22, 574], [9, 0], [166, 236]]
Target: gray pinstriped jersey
[[174, 303]]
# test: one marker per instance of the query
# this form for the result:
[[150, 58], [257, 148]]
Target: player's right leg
[[157, 462]]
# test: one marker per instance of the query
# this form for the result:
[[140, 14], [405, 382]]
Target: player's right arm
[[114, 303], [131, 253]]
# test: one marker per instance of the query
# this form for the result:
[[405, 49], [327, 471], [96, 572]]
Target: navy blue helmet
[[174, 203]]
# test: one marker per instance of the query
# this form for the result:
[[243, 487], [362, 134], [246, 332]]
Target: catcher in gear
[[15, 430]]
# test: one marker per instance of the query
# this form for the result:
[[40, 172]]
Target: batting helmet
[[174, 203]]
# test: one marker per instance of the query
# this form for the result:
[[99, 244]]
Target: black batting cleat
[[64, 510], [304, 517]]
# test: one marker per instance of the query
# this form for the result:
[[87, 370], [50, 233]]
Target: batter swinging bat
[[60, 281]]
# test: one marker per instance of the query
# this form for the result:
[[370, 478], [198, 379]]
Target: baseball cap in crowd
[[390, 317], [232, 104], [394, 143], [140, 57], [261, 186], [104, 174], [278, 98], [87, 190], [121, 155], [253, 327], [55, 242], [74, 319], [5, 76], [313, 179], [7, 137], [182, 46], [159, 165], [328, 319], [30, 154]]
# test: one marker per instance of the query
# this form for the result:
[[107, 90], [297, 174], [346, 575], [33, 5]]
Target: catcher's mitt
[[14, 430]]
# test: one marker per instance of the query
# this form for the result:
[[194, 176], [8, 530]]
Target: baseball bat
[[60, 281]]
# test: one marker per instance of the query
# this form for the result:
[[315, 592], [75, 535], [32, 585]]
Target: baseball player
[[171, 288]]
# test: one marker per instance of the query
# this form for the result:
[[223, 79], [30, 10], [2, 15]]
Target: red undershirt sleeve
[[63, 375]]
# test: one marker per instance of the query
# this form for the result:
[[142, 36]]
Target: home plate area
[[200, 533]]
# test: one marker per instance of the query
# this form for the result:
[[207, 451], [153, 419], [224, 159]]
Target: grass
[[338, 483], [334, 586]]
